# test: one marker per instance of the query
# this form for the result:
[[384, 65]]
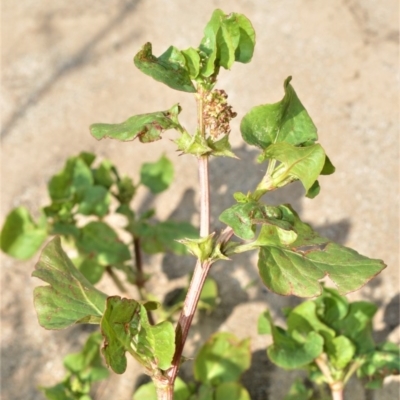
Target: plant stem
[[335, 386], [202, 268], [116, 280], [140, 280], [204, 197], [337, 391]]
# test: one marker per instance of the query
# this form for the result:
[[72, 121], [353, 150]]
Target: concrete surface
[[68, 64]]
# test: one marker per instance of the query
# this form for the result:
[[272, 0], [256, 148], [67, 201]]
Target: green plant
[[292, 257], [84, 368], [332, 339], [217, 370]]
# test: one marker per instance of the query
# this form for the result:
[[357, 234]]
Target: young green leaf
[[208, 45], [247, 214], [88, 364], [298, 391], [96, 200], [192, 59], [232, 391], [222, 359], [125, 327], [285, 121], [170, 68], [340, 351], [227, 38], [69, 298], [297, 163], [148, 391], [157, 176], [263, 324], [146, 127], [120, 323], [163, 236], [304, 319], [357, 325], [245, 49], [20, 236], [293, 352], [196, 144], [104, 174], [100, 241], [382, 362], [75, 178], [331, 307]]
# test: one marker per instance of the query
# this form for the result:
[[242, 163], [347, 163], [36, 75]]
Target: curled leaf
[[146, 127], [170, 68]]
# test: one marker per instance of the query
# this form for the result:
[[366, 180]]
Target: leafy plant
[[84, 368], [332, 339], [292, 257], [217, 370]]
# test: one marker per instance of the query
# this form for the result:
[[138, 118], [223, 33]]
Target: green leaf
[[90, 269], [245, 49], [209, 295], [126, 190], [328, 168], [263, 324], [293, 352], [101, 242], [157, 176], [20, 236], [170, 68], [125, 327], [380, 363], [297, 163], [298, 267], [208, 44], [222, 359], [146, 127], [120, 323], [88, 364], [104, 174], [231, 391], [340, 351], [285, 121], [148, 391], [196, 144], [192, 59], [314, 190], [163, 236], [357, 325], [57, 392], [201, 248], [331, 306], [96, 201], [244, 217], [304, 319], [73, 179], [221, 147], [69, 298], [298, 391], [227, 38]]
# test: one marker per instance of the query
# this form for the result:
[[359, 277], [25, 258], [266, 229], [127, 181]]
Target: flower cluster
[[217, 113]]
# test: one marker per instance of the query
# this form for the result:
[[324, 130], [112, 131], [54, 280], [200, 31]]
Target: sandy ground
[[68, 64]]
